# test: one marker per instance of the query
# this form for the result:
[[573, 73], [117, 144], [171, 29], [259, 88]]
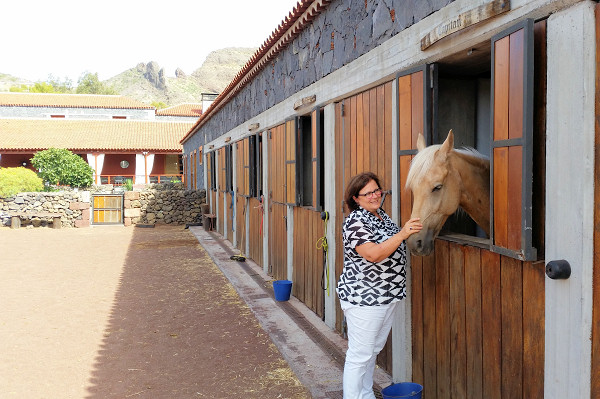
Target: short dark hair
[[356, 184]]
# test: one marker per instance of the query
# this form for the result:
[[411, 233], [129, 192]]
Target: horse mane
[[422, 162]]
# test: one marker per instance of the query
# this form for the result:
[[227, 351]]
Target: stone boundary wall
[[164, 207], [146, 206], [73, 207]]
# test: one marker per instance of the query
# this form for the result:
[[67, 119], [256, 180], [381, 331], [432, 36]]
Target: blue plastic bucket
[[410, 390], [282, 289]]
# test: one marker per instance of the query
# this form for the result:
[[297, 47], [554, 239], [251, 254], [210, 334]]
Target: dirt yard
[[114, 312]]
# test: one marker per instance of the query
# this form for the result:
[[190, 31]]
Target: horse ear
[[447, 146], [421, 142]]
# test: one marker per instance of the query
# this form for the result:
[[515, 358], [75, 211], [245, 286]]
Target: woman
[[372, 282]]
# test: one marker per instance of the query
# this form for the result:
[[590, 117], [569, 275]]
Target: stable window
[[485, 95], [228, 169], [211, 172], [256, 166], [309, 178]]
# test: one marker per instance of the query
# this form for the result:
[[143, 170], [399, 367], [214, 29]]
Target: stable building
[[346, 86]]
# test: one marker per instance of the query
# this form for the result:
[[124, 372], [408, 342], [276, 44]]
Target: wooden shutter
[[290, 162], [193, 170], [277, 164], [413, 118], [209, 169], [512, 127], [257, 165], [243, 167], [222, 169]]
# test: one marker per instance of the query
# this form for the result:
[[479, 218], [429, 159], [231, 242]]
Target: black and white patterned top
[[367, 283]]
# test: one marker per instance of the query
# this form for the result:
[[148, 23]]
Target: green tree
[[19, 89], [61, 166], [18, 180], [51, 85], [90, 84], [60, 86], [158, 104], [42, 87]]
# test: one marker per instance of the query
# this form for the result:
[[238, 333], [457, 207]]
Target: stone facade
[[344, 31], [146, 206]]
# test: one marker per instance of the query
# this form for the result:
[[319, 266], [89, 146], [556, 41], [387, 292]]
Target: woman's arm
[[378, 252]]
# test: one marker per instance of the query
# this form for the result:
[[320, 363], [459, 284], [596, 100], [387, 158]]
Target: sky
[[66, 38]]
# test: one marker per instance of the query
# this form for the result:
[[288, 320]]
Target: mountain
[[7, 81], [148, 82]]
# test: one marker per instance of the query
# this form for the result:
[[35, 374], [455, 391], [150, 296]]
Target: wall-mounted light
[[210, 147], [304, 102], [24, 163], [253, 126], [227, 139]]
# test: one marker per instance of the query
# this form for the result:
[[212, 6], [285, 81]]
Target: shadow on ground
[[178, 329]]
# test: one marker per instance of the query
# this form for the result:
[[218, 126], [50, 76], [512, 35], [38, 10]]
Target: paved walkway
[[114, 312]]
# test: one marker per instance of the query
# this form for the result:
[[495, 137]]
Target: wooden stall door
[[481, 333], [308, 260], [363, 142], [240, 222], [282, 191], [256, 227], [220, 215], [222, 188]]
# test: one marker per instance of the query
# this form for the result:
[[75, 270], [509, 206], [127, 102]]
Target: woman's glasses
[[371, 194]]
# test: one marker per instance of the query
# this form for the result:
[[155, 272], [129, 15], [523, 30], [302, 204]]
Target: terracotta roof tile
[[88, 135], [189, 109], [69, 101]]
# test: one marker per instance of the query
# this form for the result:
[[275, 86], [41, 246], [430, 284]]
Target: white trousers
[[368, 330]]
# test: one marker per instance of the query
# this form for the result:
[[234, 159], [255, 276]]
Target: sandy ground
[[114, 312]]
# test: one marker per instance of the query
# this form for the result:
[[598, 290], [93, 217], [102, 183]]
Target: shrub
[[18, 180], [61, 166]]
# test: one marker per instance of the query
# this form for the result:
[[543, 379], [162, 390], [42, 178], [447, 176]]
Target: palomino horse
[[441, 179]]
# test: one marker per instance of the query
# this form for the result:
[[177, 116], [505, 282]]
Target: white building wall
[[570, 199]]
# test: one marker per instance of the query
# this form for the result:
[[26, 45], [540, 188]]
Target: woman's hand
[[378, 252], [411, 227]]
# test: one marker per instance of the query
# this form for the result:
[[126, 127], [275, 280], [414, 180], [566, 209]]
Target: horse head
[[437, 181]]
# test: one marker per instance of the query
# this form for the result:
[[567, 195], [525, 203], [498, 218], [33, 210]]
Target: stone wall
[[168, 206], [73, 207], [145, 206], [340, 34]]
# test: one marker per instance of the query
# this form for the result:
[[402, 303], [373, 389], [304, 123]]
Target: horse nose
[[419, 245]]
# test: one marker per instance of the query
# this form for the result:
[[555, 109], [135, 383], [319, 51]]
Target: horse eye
[[437, 188]]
